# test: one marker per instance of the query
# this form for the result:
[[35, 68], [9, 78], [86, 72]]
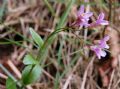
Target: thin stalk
[[109, 17], [49, 7]]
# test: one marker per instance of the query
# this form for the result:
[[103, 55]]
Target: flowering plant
[[34, 64], [83, 20]]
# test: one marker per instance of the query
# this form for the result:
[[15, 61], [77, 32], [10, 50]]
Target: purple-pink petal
[[80, 11], [97, 50], [102, 53], [103, 22], [103, 42], [101, 16], [87, 15], [103, 45], [106, 38]]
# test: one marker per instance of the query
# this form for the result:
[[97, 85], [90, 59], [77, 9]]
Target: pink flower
[[82, 17], [100, 21], [103, 42], [99, 49]]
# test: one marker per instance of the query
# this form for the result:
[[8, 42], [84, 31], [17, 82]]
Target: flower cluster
[[83, 20]]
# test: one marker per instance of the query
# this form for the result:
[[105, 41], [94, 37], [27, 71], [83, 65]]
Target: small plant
[[35, 64]]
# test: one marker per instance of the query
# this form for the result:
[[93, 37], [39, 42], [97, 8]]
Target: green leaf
[[28, 59], [31, 74], [38, 40], [10, 84]]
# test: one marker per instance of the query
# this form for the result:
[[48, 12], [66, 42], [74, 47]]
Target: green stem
[[45, 46]]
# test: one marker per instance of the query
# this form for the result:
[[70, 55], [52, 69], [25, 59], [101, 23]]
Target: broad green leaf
[[28, 59], [31, 74], [10, 84], [38, 40]]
